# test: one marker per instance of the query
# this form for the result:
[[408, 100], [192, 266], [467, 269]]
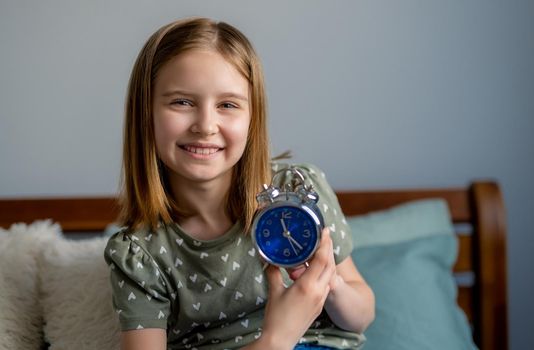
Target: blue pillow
[[406, 255]]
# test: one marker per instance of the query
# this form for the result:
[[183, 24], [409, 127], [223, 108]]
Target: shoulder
[[133, 250], [144, 238], [121, 240], [127, 246]]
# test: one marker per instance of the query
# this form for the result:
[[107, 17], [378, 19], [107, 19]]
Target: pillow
[[76, 295], [406, 255], [21, 316]]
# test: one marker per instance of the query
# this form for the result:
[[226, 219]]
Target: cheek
[[163, 137], [160, 135], [166, 128], [239, 131]]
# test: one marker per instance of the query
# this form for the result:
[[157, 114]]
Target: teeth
[[201, 150]]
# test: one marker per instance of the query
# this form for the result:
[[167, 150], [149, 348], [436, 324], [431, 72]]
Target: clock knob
[[268, 195], [307, 194]]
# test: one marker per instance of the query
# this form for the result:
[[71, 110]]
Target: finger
[[325, 249], [335, 281], [329, 274], [319, 262], [274, 277], [327, 255]]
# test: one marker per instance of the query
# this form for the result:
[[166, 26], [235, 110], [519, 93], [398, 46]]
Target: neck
[[206, 202]]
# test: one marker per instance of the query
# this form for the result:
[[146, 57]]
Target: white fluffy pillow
[[76, 296], [21, 316]]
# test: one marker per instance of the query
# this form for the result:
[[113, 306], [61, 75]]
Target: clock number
[[287, 252], [286, 215], [266, 233], [306, 233]]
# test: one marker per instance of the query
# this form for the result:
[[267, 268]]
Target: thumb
[[274, 276], [296, 272]]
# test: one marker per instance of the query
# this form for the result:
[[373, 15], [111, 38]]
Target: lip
[[200, 145]]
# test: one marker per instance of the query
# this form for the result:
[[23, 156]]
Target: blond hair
[[146, 198]]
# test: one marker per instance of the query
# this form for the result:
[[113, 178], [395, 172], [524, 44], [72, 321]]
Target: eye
[[228, 105], [182, 102]]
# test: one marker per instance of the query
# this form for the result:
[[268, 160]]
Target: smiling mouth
[[201, 150]]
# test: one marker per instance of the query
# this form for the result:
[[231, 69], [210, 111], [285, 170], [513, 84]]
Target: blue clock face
[[287, 235]]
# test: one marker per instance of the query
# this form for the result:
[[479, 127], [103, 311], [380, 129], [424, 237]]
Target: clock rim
[[315, 217]]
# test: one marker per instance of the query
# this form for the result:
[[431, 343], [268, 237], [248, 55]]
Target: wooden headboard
[[477, 211]]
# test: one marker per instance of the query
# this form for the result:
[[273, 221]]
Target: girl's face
[[201, 116]]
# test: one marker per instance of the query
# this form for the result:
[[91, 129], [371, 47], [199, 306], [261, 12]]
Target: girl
[[184, 272]]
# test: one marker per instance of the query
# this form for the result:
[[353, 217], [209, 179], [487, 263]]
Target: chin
[[204, 174]]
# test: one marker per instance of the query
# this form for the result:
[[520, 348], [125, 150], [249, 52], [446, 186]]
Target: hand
[[291, 311], [296, 272]]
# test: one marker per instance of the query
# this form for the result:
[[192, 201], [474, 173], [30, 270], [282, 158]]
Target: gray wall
[[378, 93]]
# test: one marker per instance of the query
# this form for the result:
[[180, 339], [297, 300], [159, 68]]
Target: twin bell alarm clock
[[287, 226]]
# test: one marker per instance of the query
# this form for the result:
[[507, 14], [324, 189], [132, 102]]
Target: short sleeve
[[138, 289], [330, 208]]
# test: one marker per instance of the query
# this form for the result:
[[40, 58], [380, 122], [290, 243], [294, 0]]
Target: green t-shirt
[[211, 294]]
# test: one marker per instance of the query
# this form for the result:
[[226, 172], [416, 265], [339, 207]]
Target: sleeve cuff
[[130, 324]]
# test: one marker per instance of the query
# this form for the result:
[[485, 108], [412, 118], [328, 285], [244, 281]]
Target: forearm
[[140, 339], [351, 305]]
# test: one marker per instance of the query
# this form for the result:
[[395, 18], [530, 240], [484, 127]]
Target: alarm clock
[[286, 229]]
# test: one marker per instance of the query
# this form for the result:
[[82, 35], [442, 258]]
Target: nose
[[205, 122]]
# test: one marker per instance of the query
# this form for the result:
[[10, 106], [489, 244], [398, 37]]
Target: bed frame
[[476, 210]]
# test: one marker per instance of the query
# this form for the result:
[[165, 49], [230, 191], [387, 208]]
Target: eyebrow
[[223, 95]]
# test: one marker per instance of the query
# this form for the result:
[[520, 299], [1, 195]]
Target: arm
[[140, 317], [141, 339], [351, 302]]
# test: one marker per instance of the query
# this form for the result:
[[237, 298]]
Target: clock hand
[[294, 241], [292, 246], [286, 234], [283, 225]]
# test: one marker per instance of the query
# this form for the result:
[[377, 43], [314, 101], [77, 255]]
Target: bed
[[476, 210]]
